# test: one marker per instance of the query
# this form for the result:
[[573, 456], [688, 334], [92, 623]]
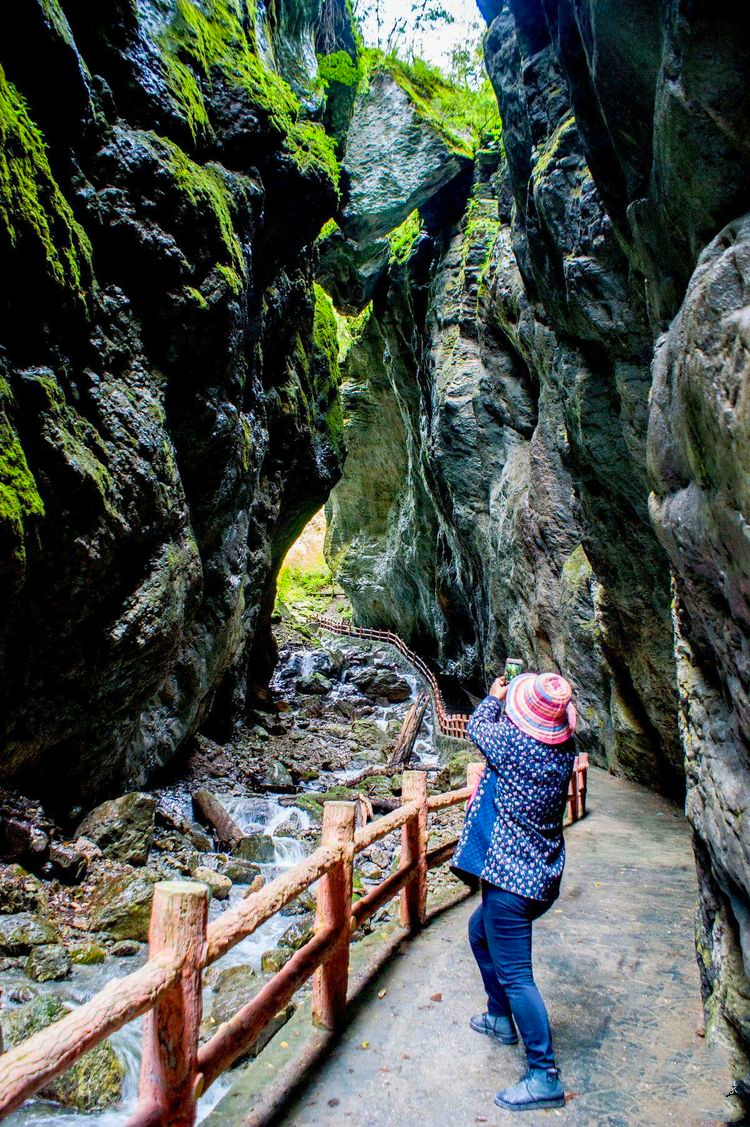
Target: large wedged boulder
[[397, 158]]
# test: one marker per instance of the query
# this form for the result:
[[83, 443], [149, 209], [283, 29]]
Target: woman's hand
[[499, 688]]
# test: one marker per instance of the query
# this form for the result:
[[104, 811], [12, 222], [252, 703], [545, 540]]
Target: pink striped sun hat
[[540, 705]]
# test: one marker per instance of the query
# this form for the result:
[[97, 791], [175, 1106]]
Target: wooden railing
[[175, 1068], [455, 723]]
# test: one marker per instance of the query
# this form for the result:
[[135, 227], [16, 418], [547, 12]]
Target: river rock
[[87, 954], [22, 931], [126, 948], [298, 933], [374, 683], [219, 883], [20, 891], [233, 988], [273, 960], [276, 776], [314, 683], [47, 963], [292, 827], [93, 1083], [69, 862], [122, 906], [258, 848], [238, 871], [123, 828]]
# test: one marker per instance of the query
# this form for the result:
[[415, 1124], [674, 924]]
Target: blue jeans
[[500, 937]]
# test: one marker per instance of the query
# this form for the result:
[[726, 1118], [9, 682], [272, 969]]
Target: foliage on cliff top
[[219, 40], [467, 118], [35, 217]]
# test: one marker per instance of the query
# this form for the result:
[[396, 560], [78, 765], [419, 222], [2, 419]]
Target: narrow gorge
[[252, 267]]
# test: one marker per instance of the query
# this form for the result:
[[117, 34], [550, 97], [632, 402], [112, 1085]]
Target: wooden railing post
[[169, 1078], [414, 849], [334, 910], [473, 774]]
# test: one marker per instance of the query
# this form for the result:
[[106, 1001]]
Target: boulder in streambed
[[122, 906], [374, 682], [238, 871], [276, 776], [233, 988], [93, 1083], [298, 932], [258, 848], [123, 828], [314, 683], [22, 931], [49, 962], [218, 883]]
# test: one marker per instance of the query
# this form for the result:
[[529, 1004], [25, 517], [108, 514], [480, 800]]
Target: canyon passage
[[480, 334]]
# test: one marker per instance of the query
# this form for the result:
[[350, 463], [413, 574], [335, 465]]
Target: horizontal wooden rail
[[237, 923], [450, 798], [42, 1056], [381, 894], [441, 853], [380, 828], [168, 988], [233, 1039]]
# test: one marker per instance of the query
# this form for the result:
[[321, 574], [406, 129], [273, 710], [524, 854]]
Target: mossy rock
[[452, 774], [312, 804], [122, 906], [258, 848], [93, 1083], [49, 962], [22, 931], [87, 955]]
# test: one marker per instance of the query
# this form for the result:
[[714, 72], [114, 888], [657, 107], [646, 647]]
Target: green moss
[[33, 211], [20, 502], [207, 189], [339, 67], [403, 237], [466, 119], [326, 367], [552, 146], [328, 228], [231, 277], [196, 297], [350, 329], [218, 40]]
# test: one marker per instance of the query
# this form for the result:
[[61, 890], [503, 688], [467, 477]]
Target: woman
[[512, 841]]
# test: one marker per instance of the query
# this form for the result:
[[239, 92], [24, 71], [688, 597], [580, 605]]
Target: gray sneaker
[[538, 1088], [494, 1025]]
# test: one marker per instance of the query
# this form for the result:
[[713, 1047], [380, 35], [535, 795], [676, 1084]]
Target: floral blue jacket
[[512, 835]]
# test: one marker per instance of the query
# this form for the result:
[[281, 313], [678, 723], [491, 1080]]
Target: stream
[[254, 814]]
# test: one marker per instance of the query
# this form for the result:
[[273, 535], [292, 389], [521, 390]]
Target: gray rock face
[[123, 828], [496, 496], [168, 415]]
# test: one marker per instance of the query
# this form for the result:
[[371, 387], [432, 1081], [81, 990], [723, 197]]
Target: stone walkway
[[615, 963]]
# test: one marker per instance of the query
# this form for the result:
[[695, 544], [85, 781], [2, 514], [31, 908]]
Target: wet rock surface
[[168, 375]]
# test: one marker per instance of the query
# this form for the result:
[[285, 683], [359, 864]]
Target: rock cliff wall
[[169, 414], [546, 415]]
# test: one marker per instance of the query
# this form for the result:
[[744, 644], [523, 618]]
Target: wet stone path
[[615, 963]]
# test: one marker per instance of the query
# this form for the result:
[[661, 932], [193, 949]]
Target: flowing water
[[254, 814]]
